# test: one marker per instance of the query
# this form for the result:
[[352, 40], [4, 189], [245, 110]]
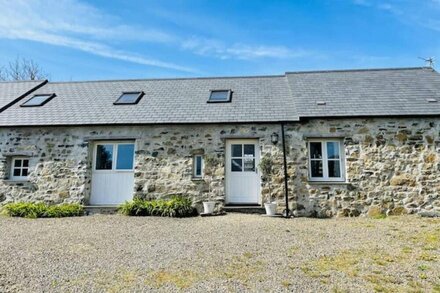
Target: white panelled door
[[242, 177], [113, 173]]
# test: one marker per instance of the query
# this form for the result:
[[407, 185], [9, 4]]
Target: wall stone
[[391, 164]]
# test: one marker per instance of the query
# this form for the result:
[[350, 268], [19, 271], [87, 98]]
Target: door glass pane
[[332, 150], [315, 150], [249, 150], [249, 164], [334, 169], [236, 165], [316, 168], [236, 150], [125, 156], [104, 157]]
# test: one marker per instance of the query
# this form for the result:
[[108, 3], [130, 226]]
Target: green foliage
[[42, 210], [265, 166], [177, 206]]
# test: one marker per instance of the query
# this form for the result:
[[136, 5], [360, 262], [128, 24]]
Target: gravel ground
[[235, 252]]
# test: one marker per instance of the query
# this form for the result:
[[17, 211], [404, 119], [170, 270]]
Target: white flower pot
[[208, 207], [271, 208]]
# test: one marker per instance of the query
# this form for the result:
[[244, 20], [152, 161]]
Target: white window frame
[[115, 156], [325, 177], [19, 178], [202, 167]]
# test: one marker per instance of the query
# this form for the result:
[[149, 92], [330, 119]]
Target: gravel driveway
[[222, 254]]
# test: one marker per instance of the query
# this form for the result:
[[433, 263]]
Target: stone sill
[[328, 182], [15, 181], [197, 179]]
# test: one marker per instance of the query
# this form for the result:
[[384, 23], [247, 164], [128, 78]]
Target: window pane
[[316, 167], [249, 164], [236, 150], [104, 157], [249, 150], [333, 150], [334, 169], [198, 166], [219, 96], [128, 98], [17, 163], [17, 172], [124, 159], [24, 172], [236, 165], [315, 150], [36, 100], [25, 163]]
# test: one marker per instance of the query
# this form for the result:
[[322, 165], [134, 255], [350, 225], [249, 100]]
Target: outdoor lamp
[[274, 138]]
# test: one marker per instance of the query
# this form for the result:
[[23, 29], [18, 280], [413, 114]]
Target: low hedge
[[42, 210], [177, 206]]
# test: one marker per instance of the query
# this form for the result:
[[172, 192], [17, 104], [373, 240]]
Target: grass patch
[[370, 266], [42, 210], [292, 251], [177, 206], [182, 279]]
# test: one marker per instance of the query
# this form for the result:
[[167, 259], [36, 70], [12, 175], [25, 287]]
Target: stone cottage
[[342, 142]]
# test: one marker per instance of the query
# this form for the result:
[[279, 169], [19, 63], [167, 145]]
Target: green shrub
[[177, 206], [42, 210]]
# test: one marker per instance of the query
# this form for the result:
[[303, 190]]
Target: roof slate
[[374, 92], [165, 101], [12, 90], [289, 97]]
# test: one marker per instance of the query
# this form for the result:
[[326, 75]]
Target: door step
[[103, 210], [245, 209]]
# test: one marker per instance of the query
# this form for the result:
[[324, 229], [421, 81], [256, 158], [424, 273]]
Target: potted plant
[[210, 163], [265, 166]]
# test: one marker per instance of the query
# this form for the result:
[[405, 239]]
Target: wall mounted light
[[274, 138]]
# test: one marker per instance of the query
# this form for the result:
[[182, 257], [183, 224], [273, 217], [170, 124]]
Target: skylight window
[[129, 98], [220, 96], [38, 100]]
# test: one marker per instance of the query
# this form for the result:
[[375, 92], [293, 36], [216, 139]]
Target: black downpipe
[[286, 186]]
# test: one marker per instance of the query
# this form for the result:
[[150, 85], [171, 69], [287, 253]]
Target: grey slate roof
[[289, 97], [12, 90], [375, 92], [165, 101]]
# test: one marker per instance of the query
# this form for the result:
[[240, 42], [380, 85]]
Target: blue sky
[[83, 40]]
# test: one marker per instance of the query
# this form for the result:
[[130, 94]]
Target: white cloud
[[76, 25], [216, 48], [80, 26]]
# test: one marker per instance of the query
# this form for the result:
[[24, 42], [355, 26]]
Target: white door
[[113, 173], [242, 178]]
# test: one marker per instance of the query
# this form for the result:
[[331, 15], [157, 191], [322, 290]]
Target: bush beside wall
[[42, 210], [177, 206]]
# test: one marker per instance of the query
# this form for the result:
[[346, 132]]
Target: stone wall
[[391, 164], [392, 167]]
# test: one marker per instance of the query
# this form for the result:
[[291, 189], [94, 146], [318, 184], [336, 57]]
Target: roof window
[[38, 100], [129, 98], [220, 96]]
